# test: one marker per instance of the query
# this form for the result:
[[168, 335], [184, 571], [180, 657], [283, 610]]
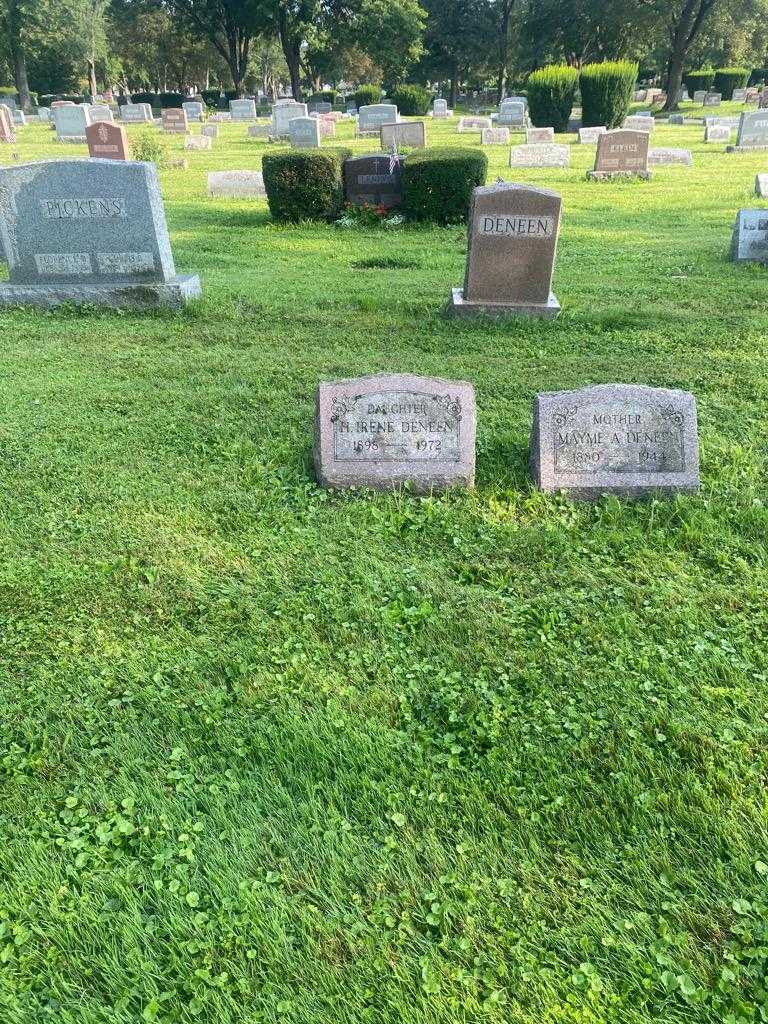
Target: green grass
[[273, 754]]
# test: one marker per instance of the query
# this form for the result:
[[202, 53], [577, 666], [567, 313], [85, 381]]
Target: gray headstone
[[713, 99], [283, 114], [761, 185], [753, 130], [44, 115], [387, 430], [539, 135], [304, 132], [243, 110], [71, 122], [259, 131], [87, 231], [372, 116], [512, 112], [236, 184], [512, 242], [101, 112], [321, 107], [717, 133], [750, 237], [440, 108], [211, 130], [404, 133], [739, 95], [540, 155], [495, 136], [676, 119], [136, 113], [589, 136], [373, 181], [669, 155], [639, 123], [624, 439], [194, 110], [467, 125]]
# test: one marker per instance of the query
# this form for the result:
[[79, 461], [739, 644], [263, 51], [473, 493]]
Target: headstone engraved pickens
[[623, 439], [107, 141], [621, 152], [540, 155], [753, 132], [304, 132], [750, 236], [387, 430], [87, 231], [374, 181], [404, 133], [512, 235]]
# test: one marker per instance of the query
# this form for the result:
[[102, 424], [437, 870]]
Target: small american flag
[[393, 157]]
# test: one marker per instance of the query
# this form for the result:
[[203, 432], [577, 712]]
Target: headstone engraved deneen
[[753, 132], [512, 242], [374, 181], [624, 439], [87, 231], [107, 141], [387, 430], [750, 237], [620, 153]]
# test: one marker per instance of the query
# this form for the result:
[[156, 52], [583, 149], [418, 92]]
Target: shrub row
[[701, 79], [606, 92], [327, 96], [550, 96], [722, 80], [366, 94], [437, 184]]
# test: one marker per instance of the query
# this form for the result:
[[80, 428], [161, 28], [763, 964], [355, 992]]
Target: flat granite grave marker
[[107, 141], [304, 132], [739, 95], [624, 439], [589, 136], [537, 135], [89, 231], [374, 181], [244, 110], [699, 95], [198, 142], [473, 124], [761, 185], [211, 131], [495, 136], [136, 113], [512, 242], [620, 153], [717, 133], [71, 123], [713, 99], [7, 133], [676, 119], [404, 133], [753, 132], [372, 116], [387, 430], [175, 121], [44, 115], [236, 185], [670, 155], [749, 242], [259, 131], [540, 154]]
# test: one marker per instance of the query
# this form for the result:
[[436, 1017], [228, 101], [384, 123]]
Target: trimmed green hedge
[[411, 100], [306, 185], [550, 96], [146, 97], [438, 183], [728, 79], [211, 97], [171, 100], [327, 96], [367, 94], [606, 92], [701, 79]]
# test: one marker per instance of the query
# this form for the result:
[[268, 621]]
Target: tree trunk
[[454, 86], [92, 77], [292, 53], [13, 26], [506, 17], [674, 80]]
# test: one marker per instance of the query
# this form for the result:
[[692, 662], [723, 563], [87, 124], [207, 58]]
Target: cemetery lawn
[[270, 753]]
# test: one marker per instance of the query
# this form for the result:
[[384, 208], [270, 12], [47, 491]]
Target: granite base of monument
[[172, 294], [458, 306], [746, 149], [610, 175]]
